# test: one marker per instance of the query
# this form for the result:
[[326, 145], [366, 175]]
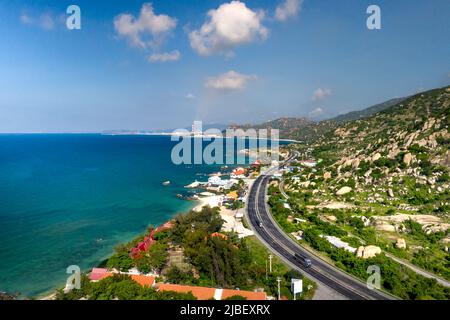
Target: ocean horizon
[[69, 199]]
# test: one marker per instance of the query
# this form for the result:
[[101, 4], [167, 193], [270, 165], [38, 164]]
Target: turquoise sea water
[[69, 199]]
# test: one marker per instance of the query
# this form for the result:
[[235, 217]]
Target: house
[[201, 293], [98, 274], [338, 243], [219, 235], [249, 295], [232, 196], [257, 163], [308, 163], [216, 181], [149, 240], [238, 172], [205, 293]]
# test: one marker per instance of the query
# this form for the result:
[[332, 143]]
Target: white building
[[338, 243]]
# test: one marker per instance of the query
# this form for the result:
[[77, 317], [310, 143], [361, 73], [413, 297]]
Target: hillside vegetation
[[381, 185]]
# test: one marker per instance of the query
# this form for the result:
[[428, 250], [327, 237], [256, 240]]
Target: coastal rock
[[401, 243], [343, 190], [368, 252]]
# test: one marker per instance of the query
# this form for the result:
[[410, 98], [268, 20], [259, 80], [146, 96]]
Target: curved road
[[285, 247]]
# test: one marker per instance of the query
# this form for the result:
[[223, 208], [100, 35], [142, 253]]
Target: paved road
[[285, 247], [418, 270]]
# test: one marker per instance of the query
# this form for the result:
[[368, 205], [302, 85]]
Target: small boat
[[166, 183]]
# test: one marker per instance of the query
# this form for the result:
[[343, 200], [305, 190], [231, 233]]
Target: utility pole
[[270, 263], [279, 280], [266, 270]]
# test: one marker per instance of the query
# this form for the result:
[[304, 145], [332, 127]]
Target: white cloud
[[26, 19], [289, 9], [190, 96], [45, 21], [229, 81], [148, 29], [165, 57], [230, 25], [321, 94], [316, 112]]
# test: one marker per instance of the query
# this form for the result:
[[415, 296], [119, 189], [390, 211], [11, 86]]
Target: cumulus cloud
[[288, 9], [230, 25], [320, 94], [165, 57], [229, 81], [148, 29], [190, 96], [45, 21], [316, 112]]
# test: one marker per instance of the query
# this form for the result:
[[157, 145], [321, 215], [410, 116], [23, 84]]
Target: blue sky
[[163, 64]]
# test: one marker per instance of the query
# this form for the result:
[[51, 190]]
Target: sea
[[69, 199]]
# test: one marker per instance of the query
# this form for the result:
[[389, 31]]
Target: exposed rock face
[[384, 226], [390, 193], [393, 153], [368, 252], [401, 243], [407, 158], [343, 190], [392, 223], [375, 157], [327, 175], [355, 164]]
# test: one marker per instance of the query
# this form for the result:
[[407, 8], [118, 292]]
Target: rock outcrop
[[343, 190], [368, 251]]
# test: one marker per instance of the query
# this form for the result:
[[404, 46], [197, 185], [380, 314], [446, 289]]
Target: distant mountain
[[287, 126], [306, 130], [359, 114], [205, 126]]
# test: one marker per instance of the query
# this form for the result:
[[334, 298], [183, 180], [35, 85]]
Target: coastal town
[[225, 194]]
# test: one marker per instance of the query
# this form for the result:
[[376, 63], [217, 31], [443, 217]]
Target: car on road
[[304, 260]]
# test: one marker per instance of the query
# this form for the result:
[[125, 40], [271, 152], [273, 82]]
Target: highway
[[285, 247]]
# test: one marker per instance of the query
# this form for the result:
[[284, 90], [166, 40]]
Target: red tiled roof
[[143, 280], [201, 293], [96, 276], [220, 235], [250, 295], [139, 278]]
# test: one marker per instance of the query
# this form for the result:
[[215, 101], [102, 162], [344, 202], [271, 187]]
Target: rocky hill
[[383, 181], [354, 115], [303, 129]]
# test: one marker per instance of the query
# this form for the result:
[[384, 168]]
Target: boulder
[[368, 252], [343, 190], [401, 243], [407, 158], [375, 157], [390, 193], [327, 175], [355, 164]]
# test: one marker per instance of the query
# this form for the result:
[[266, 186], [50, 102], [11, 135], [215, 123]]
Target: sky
[[150, 65]]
